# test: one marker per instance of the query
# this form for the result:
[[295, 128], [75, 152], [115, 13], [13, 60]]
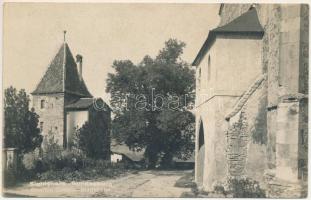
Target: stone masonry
[[260, 121]]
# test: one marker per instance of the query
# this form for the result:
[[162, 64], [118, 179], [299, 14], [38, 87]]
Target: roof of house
[[86, 103], [246, 24], [62, 76], [81, 103]]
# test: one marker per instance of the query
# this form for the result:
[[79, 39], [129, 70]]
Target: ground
[[141, 184]]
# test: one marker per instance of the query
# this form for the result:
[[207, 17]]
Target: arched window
[[42, 104], [209, 68]]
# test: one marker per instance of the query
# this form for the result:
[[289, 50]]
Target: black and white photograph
[[155, 99]]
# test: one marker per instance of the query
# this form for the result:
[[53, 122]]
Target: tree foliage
[[93, 138], [20, 124], [150, 101]]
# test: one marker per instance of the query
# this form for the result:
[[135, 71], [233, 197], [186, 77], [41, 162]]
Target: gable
[[245, 26]]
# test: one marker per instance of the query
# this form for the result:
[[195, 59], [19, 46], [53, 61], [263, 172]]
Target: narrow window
[[199, 78], [41, 126], [209, 68], [42, 104]]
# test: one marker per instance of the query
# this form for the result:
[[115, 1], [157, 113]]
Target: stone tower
[[61, 85]]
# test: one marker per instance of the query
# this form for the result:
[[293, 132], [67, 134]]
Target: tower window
[[199, 78], [41, 126], [42, 104]]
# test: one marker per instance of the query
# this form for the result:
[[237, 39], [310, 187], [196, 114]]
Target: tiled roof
[[58, 80], [246, 24], [85, 103], [82, 103]]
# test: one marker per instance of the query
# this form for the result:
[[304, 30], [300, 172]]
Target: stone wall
[[237, 140], [247, 137], [304, 52], [303, 140], [285, 60], [52, 115], [211, 157]]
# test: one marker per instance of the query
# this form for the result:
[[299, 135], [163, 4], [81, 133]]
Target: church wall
[[213, 119], [52, 115], [217, 94], [238, 66], [284, 48], [303, 140], [303, 88], [304, 50], [247, 138], [285, 60]]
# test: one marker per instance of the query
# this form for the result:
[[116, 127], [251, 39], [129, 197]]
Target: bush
[[93, 139], [245, 188], [30, 159], [9, 178], [98, 170]]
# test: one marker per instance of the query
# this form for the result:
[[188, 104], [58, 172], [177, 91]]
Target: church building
[[252, 99], [63, 102]]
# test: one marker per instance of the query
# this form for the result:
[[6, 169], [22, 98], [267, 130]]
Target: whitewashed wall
[[75, 119]]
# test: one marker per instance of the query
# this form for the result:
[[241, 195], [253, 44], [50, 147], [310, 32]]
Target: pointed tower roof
[[62, 76]]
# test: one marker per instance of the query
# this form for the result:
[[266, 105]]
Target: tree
[[93, 138], [20, 124], [150, 101]]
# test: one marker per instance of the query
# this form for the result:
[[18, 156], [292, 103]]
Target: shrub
[[88, 173], [9, 178], [245, 188], [51, 148], [219, 189], [93, 139], [30, 159]]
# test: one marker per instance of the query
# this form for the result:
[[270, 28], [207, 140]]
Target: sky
[[101, 33]]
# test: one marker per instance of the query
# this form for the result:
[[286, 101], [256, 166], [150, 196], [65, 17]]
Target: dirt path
[[142, 184]]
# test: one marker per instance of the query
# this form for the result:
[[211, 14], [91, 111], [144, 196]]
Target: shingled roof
[[246, 24], [86, 103], [58, 80]]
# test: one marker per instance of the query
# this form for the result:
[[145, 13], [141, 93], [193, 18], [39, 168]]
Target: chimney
[[79, 65]]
